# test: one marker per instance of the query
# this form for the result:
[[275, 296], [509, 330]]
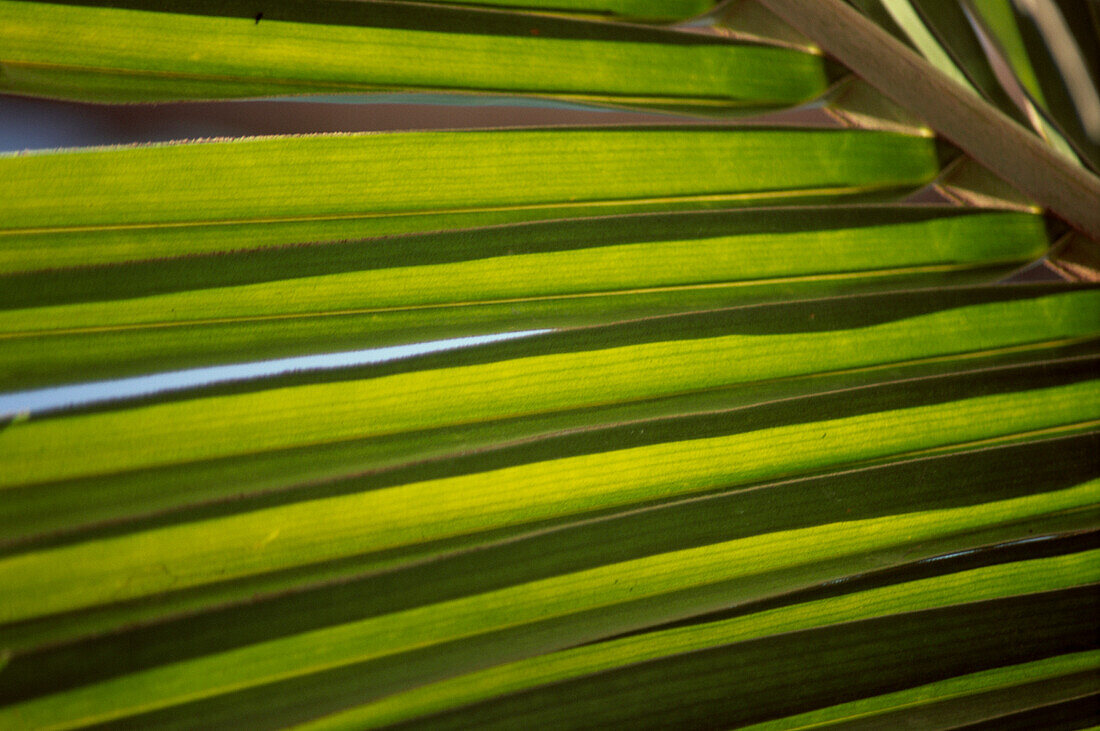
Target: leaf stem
[[982, 131]]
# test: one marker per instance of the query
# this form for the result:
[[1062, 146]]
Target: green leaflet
[[855, 498], [179, 556], [1071, 674], [45, 359], [571, 267], [784, 674], [966, 586], [99, 206], [652, 577], [129, 244], [844, 227], [50, 449], [345, 296], [268, 478], [65, 651], [998, 17], [210, 50]]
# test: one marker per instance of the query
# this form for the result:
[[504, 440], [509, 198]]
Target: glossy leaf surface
[[144, 51], [94, 207], [648, 426]]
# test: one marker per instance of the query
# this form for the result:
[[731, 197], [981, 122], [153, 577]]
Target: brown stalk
[[1012, 153]]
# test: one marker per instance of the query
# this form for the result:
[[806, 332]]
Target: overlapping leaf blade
[[330, 648], [155, 51], [132, 318], [1032, 58], [651, 366], [912, 596], [648, 483], [90, 207], [694, 688], [201, 673]]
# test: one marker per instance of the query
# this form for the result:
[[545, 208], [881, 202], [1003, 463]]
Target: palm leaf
[[689, 424], [337, 187], [223, 49], [201, 311]]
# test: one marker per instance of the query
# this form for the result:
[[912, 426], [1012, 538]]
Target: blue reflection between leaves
[[57, 398]]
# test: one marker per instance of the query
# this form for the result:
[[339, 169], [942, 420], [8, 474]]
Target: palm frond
[[726, 420]]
